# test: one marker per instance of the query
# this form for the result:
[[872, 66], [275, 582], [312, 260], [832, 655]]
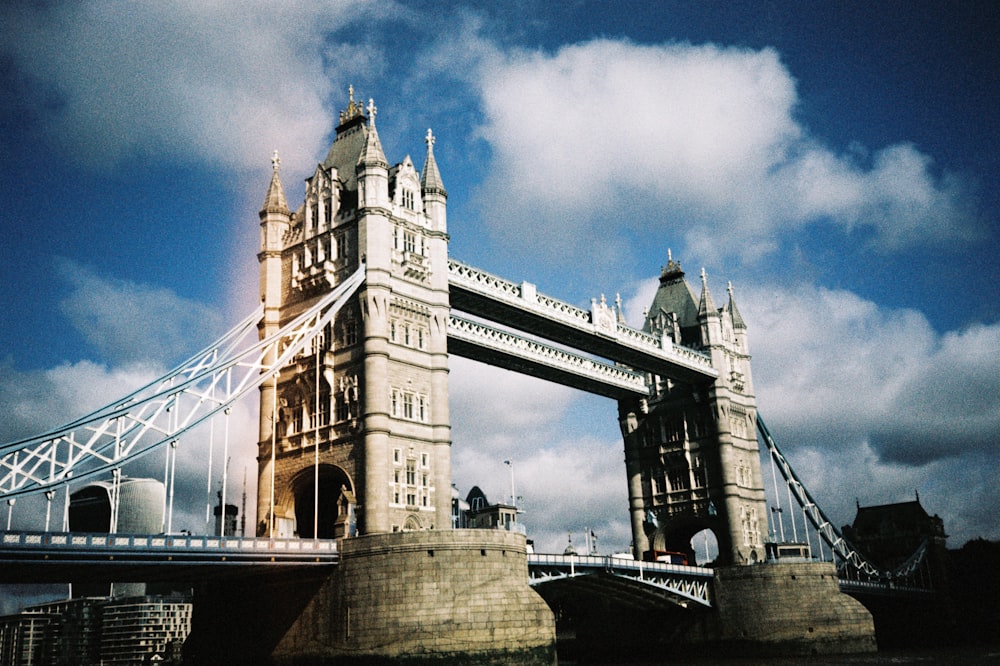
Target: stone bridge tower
[[361, 418], [691, 452]]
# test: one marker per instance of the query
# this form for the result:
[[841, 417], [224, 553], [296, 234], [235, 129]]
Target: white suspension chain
[[139, 423]]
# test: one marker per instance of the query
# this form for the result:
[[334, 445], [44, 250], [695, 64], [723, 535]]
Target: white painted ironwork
[[524, 297], [690, 584], [518, 346], [851, 563], [160, 412]]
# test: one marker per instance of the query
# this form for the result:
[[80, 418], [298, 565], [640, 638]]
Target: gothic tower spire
[[372, 154], [430, 180], [372, 167], [432, 189], [274, 201], [706, 306], [734, 314]]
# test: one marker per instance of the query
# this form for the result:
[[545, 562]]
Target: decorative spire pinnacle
[[353, 109], [372, 152], [734, 314], [672, 270], [706, 306], [274, 201], [430, 179], [618, 307]]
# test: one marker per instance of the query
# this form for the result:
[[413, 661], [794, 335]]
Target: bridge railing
[[682, 584], [94, 543], [610, 563]]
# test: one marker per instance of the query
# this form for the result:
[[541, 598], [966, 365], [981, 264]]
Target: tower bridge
[[361, 308]]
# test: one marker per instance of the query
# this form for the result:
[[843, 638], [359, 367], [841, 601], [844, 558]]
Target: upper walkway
[[597, 331]]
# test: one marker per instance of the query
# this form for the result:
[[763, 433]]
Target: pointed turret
[[733, 313], [372, 154], [708, 316], [430, 179], [275, 201], [432, 189], [372, 168], [674, 308], [706, 306]]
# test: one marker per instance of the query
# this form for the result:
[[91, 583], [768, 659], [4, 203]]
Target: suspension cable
[[841, 548], [96, 445]]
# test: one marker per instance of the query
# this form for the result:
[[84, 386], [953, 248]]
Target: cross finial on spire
[[429, 139], [350, 93], [704, 276], [729, 288], [275, 160], [670, 256], [372, 110]]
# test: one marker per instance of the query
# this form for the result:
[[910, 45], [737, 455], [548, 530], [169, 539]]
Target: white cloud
[[35, 401], [188, 81], [616, 141], [128, 322], [871, 403]]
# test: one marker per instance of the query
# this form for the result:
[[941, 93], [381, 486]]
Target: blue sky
[[836, 161]]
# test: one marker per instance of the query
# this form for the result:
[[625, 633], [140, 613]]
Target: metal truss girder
[[485, 343], [161, 412], [851, 562], [689, 584], [481, 294]]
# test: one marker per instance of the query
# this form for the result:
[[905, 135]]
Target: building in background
[[93, 630], [140, 509], [225, 527], [890, 535], [483, 515]]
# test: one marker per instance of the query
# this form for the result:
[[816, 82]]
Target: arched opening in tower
[[705, 546], [335, 497], [690, 542]]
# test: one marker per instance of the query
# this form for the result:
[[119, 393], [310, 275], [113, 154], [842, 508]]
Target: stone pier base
[[780, 608], [450, 596]]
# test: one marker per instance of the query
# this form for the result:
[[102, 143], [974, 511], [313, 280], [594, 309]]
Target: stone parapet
[[458, 596]]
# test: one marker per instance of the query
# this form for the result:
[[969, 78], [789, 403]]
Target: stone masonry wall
[[787, 608], [458, 596]]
